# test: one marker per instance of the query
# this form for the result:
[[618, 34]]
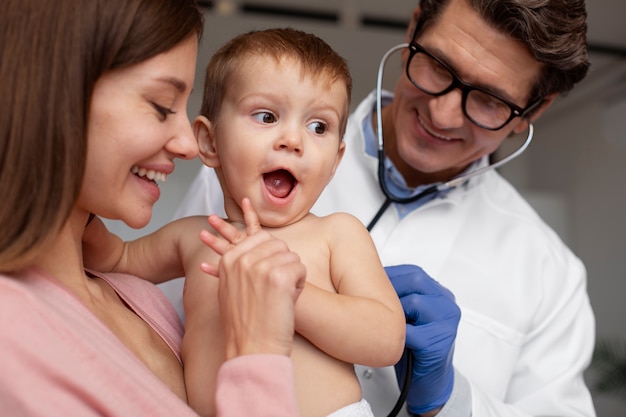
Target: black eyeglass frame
[[516, 111]]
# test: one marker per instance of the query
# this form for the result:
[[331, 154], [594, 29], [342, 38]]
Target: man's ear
[[414, 17], [547, 102], [204, 130], [409, 32]]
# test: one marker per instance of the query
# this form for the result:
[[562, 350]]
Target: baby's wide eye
[[265, 117], [318, 127]]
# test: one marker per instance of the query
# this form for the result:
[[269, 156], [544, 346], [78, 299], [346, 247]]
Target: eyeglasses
[[481, 107]]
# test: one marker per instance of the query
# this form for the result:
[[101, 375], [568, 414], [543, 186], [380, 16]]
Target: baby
[[274, 112]]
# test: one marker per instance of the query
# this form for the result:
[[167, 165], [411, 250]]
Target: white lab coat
[[527, 329]]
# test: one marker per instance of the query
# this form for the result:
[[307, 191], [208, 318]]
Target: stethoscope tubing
[[391, 198], [455, 182]]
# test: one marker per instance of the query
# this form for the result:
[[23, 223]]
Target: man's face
[[433, 139]]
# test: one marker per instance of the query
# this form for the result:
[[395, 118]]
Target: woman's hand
[[260, 281]]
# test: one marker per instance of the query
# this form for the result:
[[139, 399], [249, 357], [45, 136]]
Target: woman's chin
[[139, 220]]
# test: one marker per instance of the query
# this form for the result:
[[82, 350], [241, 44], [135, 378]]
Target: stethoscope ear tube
[[379, 91], [460, 180], [455, 182]]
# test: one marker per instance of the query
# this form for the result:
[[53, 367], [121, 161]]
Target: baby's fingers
[[229, 235], [250, 216], [210, 269], [226, 230], [217, 244]]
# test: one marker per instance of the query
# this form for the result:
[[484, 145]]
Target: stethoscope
[[453, 183], [391, 198]]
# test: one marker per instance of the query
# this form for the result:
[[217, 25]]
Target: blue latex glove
[[432, 319]]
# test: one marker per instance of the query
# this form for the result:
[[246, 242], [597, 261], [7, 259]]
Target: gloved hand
[[432, 319]]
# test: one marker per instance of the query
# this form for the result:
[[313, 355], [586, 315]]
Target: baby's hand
[[259, 282], [230, 235]]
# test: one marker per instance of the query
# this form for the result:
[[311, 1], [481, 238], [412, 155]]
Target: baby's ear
[[204, 131]]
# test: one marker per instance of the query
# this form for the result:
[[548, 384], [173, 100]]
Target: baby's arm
[[364, 322], [102, 250], [157, 257]]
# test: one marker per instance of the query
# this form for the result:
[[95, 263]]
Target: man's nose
[[447, 110]]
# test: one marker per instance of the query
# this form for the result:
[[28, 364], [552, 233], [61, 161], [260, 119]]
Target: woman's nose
[[447, 110], [183, 143]]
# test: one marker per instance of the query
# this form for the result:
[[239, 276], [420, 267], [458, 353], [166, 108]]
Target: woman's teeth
[[149, 173]]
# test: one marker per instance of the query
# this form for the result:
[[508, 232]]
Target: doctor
[[477, 71]]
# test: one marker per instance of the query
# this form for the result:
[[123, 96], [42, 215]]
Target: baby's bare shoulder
[[343, 221], [188, 232]]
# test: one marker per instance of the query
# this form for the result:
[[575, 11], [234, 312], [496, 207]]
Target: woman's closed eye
[[163, 111]]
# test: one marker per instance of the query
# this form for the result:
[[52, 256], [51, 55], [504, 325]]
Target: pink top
[[59, 359]]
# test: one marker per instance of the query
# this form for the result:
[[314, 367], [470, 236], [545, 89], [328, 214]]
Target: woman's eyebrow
[[177, 83]]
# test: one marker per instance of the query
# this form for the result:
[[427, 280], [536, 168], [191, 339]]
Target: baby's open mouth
[[279, 183]]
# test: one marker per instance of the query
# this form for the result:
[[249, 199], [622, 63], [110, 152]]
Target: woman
[[96, 94]]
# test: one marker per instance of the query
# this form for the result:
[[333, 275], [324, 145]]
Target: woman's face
[[137, 125]]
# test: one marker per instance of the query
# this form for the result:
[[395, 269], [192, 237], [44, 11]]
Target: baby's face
[[278, 137]]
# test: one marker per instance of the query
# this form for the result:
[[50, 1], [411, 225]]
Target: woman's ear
[[204, 130]]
